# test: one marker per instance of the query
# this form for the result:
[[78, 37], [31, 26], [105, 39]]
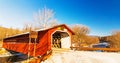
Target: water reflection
[[17, 57]]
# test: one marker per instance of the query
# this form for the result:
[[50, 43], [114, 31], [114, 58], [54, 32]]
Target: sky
[[102, 17]]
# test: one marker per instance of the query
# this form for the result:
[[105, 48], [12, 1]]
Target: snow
[[84, 57], [4, 53]]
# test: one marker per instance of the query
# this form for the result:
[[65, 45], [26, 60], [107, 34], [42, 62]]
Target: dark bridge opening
[[56, 40], [60, 39]]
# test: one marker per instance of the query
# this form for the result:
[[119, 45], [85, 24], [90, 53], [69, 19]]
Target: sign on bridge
[[33, 34]]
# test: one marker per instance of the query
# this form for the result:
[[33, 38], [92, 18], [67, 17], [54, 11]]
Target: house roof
[[42, 30]]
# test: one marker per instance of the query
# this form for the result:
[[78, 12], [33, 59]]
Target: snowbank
[[84, 57], [4, 53]]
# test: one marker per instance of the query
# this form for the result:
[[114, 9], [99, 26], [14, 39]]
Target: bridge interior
[[58, 38]]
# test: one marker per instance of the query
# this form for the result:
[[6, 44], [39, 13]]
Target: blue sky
[[101, 16]]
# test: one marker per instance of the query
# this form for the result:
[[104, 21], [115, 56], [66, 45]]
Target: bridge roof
[[41, 30]]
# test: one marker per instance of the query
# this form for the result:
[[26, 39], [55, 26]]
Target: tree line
[[113, 40], [81, 38], [6, 32]]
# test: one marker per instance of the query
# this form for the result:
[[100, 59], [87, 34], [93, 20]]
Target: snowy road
[[84, 57]]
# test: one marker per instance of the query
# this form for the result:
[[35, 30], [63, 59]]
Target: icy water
[[13, 59]]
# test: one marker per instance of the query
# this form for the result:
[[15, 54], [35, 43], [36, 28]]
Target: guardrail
[[95, 49]]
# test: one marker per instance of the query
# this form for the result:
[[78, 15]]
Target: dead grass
[[1, 44]]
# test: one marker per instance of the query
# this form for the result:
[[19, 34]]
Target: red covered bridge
[[58, 36]]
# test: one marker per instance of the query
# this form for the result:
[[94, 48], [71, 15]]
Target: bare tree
[[80, 33], [115, 39], [91, 40], [5, 32], [45, 18], [27, 27]]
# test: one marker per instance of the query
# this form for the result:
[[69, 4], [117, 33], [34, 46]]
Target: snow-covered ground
[[4, 53], [84, 57]]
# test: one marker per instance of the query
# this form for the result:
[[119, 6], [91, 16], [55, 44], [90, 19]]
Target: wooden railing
[[95, 49]]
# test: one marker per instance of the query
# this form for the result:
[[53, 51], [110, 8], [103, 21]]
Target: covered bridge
[[58, 36]]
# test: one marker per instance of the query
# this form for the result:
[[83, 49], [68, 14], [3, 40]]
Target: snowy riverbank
[[84, 57]]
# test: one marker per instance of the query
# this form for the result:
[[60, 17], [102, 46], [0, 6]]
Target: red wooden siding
[[20, 43], [43, 43]]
